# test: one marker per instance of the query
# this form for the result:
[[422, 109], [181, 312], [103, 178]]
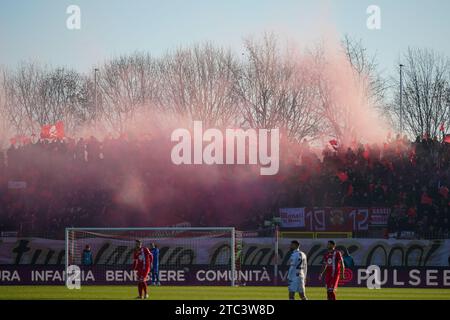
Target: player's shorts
[[297, 285], [332, 282], [142, 275]]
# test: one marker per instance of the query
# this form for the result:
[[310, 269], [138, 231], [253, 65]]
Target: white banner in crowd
[[292, 217], [17, 184], [256, 251]]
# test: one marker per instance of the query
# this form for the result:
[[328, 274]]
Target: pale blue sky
[[36, 29]]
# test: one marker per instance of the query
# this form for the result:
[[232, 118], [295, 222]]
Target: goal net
[[187, 256]]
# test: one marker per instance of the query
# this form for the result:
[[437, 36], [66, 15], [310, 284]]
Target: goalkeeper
[[155, 267]]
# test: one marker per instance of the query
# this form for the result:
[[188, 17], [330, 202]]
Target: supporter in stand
[[97, 182]]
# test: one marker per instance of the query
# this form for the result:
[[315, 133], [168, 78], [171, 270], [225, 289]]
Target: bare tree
[[426, 93], [21, 89], [276, 91], [126, 84], [198, 84], [61, 92], [36, 95], [366, 69], [350, 92], [305, 95], [5, 126]]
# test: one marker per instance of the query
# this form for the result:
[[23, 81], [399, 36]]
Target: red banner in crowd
[[55, 131], [335, 219]]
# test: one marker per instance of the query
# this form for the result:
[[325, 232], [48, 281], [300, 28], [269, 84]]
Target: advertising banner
[[215, 251], [392, 277]]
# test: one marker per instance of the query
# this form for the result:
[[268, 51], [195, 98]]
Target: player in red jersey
[[142, 263], [333, 265]]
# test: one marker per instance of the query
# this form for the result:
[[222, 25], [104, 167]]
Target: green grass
[[212, 293]]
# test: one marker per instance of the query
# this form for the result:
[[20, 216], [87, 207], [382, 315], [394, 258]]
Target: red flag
[[443, 191], [334, 144], [342, 176], [45, 132], [447, 138], [412, 212], [366, 154], [55, 131], [350, 190], [426, 199]]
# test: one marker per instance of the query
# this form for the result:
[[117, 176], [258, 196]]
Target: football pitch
[[211, 293]]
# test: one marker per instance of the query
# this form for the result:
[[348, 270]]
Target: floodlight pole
[[401, 98], [95, 94]]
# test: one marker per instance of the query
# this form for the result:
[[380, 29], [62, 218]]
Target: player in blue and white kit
[[298, 268], [155, 267]]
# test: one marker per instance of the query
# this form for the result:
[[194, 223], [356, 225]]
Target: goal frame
[[232, 230]]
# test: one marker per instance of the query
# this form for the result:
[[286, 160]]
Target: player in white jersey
[[298, 268]]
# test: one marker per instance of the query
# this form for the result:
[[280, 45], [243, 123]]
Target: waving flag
[[447, 138], [366, 154], [342, 176], [443, 191], [334, 144], [350, 190], [55, 131], [426, 199]]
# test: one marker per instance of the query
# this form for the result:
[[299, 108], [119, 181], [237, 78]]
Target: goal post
[[189, 250]]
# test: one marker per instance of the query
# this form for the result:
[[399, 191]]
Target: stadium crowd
[[411, 178], [48, 185]]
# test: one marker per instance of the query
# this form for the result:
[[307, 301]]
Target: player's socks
[[140, 289], [333, 295], [144, 287]]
